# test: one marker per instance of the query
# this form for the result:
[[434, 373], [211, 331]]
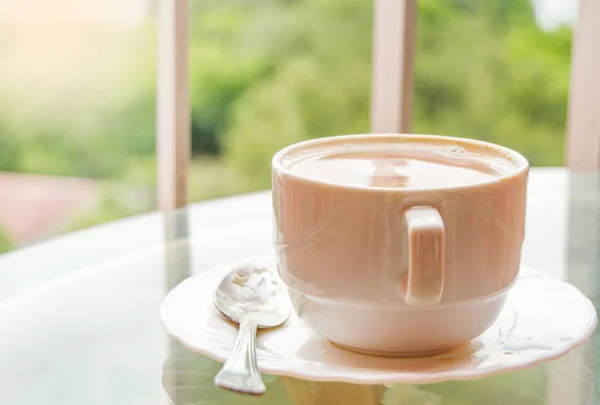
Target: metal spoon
[[252, 297]]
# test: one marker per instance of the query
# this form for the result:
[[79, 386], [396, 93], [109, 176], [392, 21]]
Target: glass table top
[[80, 313]]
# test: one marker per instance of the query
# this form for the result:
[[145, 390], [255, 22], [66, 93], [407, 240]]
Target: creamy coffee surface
[[396, 165]]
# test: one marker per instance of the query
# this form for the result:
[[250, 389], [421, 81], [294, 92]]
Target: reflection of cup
[[399, 270]]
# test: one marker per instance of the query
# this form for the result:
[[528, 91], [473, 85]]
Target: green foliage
[[210, 178], [6, 242], [220, 74], [526, 387], [188, 379], [9, 147], [268, 73], [506, 87], [265, 74], [116, 201], [320, 86], [473, 78]]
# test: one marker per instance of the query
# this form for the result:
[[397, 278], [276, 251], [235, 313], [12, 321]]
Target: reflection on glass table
[[187, 378], [80, 313]]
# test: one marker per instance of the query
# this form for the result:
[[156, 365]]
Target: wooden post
[[583, 126], [173, 109], [394, 44]]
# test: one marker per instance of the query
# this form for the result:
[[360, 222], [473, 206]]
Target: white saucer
[[544, 319]]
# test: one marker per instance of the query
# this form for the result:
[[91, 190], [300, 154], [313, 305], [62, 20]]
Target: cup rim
[[520, 162]]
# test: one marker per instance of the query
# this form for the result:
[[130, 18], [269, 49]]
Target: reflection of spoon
[[252, 297]]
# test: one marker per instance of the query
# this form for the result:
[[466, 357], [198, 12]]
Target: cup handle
[[426, 246]]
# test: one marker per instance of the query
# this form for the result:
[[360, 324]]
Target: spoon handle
[[240, 372]]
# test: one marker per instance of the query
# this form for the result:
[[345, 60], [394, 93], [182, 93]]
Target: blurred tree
[[320, 85], [6, 242], [508, 87], [9, 147], [484, 70], [221, 69], [267, 73]]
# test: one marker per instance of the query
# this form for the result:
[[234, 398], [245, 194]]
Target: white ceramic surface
[[543, 319]]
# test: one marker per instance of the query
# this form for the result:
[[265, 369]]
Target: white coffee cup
[[399, 270]]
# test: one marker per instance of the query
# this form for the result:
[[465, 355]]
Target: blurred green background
[[78, 98]]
